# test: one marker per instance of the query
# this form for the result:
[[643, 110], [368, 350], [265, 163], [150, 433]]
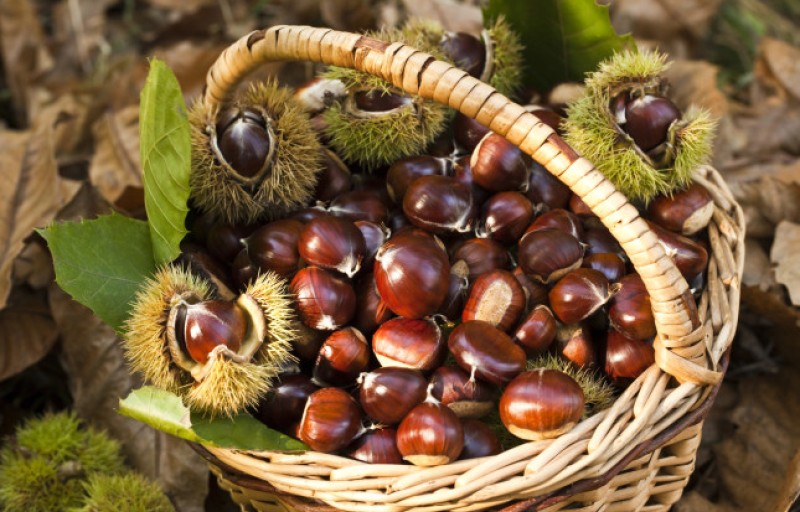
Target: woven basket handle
[[416, 72]]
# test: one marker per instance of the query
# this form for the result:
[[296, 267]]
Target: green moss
[[129, 492], [43, 469]]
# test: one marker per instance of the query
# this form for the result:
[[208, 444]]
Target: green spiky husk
[[271, 293], [217, 190], [508, 61], [43, 470], [128, 492], [145, 344], [597, 390], [374, 141], [591, 130]]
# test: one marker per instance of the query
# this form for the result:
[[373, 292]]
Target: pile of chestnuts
[[424, 289]]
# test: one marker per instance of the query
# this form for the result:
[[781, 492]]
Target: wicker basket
[[636, 455]]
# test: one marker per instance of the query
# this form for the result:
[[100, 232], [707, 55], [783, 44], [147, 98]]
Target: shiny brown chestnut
[[490, 353], [544, 188], [686, 212], [647, 119], [465, 395], [405, 171], [305, 215], [496, 297], [599, 240], [626, 358], [559, 219], [376, 446], [440, 205], [630, 312], [243, 140], [342, 358], [430, 435], [374, 100], [479, 440], [462, 172], [324, 301], [360, 205], [410, 343], [547, 115], [331, 420], [690, 257], [579, 293], [412, 273], [243, 271], [371, 311], [205, 325], [497, 165], [548, 254], [273, 247], [467, 132], [541, 404], [505, 217], [608, 263], [306, 345], [225, 241], [283, 405], [374, 237], [580, 208], [466, 51], [574, 342], [388, 393], [537, 331], [332, 243], [457, 291], [335, 178], [482, 255], [535, 292]]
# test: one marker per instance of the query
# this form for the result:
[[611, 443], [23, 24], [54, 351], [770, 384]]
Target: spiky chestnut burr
[[219, 356], [375, 124], [129, 492], [635, 136], [256, 159]]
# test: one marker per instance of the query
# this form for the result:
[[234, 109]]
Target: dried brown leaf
[[33, 266], [23, 51], [453, 15], [115, 168], [98, 377], [781, 65], [757, 267], [766, 202], [694, 82], [79, 32], [190, 61], [785, 254], [27, 331], [350, 15]]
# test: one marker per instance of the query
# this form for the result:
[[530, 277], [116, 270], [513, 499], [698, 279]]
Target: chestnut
[[559, 219], [544, 188], [371, 311], [686, 211], [578, 294], [541, 404], [580, 208], [479, 440], [374, 237], [360, 205], [537, 331], [462, 172], [412, 273], [342, 358], [630, 312], [430, 435], [482, 255], [306, 215], [690, 257], [465, 395], [335, 178], [497, 165], [283, 405], [457, 290], [410, 343], [535, 291], [273, 247], [505, 217], [497, 298], [376, 446], [203, 326], [388, 393], [490, 353], [439, 204], [225, 241], [609, 264], [574, 342], [324, 301], [466, 51], [405, 171], [547, 115], [243, 140], [546, 255], [243, 271], [467, 132], [307, 343], [626, 358], [647, 119], [331, 420], [599, 240], [332, 243]]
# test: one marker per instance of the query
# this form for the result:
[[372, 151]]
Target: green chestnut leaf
[[563, 39], [101, 262], [165, 411], [166, 152]]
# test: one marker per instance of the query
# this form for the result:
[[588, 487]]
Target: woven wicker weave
[[636, 455]]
